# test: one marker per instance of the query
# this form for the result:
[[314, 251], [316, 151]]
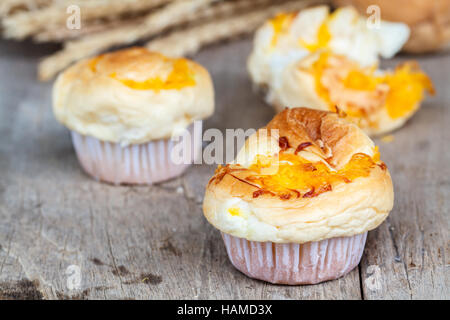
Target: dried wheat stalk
[[24, 24], [172, 14], [189, 41]]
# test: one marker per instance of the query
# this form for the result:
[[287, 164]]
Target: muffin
[[289, 37], [378, 101], [429, 21], [325, 60], [127, 109], [296, 204]]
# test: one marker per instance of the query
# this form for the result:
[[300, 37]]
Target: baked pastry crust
[[132, 96], [345, 209], [369, 109], [290, 37], [322, 60], [429, 21]]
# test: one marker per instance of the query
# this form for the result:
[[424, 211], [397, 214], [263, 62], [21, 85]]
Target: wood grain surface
[[153, 242]]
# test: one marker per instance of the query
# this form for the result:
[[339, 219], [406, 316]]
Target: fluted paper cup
[[293, 263], [145, 163]]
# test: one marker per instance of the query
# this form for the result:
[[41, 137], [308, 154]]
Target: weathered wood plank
[[153, 242]]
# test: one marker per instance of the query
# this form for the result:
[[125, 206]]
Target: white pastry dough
[[323, 61], [292, 36]]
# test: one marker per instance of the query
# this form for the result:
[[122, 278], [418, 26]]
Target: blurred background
[[182, 27]]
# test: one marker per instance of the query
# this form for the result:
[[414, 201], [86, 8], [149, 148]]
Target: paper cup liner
[[145, 163], [293, 263]]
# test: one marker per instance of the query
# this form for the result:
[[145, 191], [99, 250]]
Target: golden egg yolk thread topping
[[291, 176], [323, 37], [234, 211], [281, 23], [92, 63], [360, 80], [406, 85], [180, 77]]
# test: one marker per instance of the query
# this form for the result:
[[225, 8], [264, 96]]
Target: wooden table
[[153, 242]]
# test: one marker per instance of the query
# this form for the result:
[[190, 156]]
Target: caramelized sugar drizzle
[[283, 143]]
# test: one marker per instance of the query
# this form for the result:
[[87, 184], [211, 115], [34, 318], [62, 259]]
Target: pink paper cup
[[145, 163], [293, 263]]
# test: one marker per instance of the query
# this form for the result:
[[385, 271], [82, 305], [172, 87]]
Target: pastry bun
[[326, 60], [328, 182], [132, 96], [377, 101]]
